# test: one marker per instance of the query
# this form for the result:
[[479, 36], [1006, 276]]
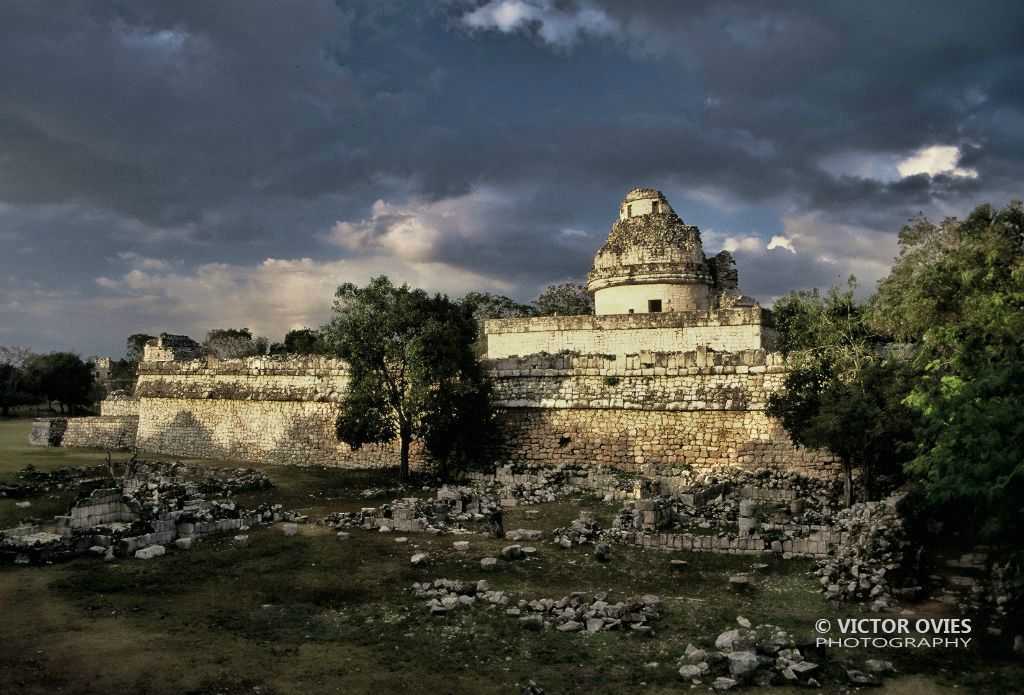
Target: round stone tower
[[652, 261]]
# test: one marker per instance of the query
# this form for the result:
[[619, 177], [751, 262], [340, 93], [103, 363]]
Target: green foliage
[[484, 305], [61, 377], [841, 393], [567, 299], [14, 390], [305, 341], [228, 343], [412, 372], [958, 289]]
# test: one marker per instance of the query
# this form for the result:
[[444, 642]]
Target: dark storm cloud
[[498, 136]]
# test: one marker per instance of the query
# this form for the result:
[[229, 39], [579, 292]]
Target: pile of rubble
[[873, 560], [453, 508], [584, 612], [33, 482], [582, 531], [765, 655], [157, 504], [577, 612], [445, 595]]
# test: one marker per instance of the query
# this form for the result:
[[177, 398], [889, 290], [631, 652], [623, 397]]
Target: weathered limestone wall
[[265, 409], [666, 410], [265, 431], [699, 408], [629, 439], [104, 432], [119, 406], [725, 330]]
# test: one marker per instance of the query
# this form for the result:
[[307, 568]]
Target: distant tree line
[[60, 378]]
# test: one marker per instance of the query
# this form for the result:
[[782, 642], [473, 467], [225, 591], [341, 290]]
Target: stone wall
[[664, 410], [700, 408], [266, 409], [104, 432], [119, 405], [725, 330], [629, 439]]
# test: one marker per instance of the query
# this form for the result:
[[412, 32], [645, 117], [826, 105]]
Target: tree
[[842, 391], [125, 371], [304, 341], [13, 390], [228, 343], [61, 377], [484, 306], [412, 372], [957, 289], [567, 299]]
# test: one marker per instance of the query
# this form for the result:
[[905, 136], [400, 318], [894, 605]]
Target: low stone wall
[[104, 432], [47, 431], [819, 545], [101, 507]]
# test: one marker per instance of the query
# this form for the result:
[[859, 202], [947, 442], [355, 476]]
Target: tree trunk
[[847, 483], [403, 465]]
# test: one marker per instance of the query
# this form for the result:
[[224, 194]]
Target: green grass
[[310, 614]]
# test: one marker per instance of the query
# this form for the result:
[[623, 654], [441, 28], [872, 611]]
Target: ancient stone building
[[673, 370]]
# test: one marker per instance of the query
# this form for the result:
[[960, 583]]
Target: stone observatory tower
[[652, 262]]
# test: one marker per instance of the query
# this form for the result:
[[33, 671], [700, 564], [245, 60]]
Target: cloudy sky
[[188, 165]]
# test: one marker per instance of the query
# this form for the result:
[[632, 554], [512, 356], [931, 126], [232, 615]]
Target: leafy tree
[[61, 377], [13, 390], [957, 289], [125, 371], [412, 372], [484, 305], [228, 343], [567, 299], [841, 392], [305, 341]]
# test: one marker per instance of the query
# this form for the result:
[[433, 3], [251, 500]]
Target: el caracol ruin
[[673, 369]]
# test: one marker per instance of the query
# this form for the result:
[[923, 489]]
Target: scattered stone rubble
[[158, 504], [577, 612], [872, 560], [33, 482], [453, 508], [582, 531], [766, 655]]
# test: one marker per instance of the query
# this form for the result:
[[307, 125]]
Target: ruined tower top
[[650, 251]]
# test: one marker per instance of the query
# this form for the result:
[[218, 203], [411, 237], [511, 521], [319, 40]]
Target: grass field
[[309, 614]]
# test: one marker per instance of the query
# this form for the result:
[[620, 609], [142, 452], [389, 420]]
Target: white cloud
[[780, 242], [269, 298], [414, 231], [937, 159], [553, 24]]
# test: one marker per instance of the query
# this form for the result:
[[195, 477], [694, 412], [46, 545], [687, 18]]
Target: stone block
[[150, 552]]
